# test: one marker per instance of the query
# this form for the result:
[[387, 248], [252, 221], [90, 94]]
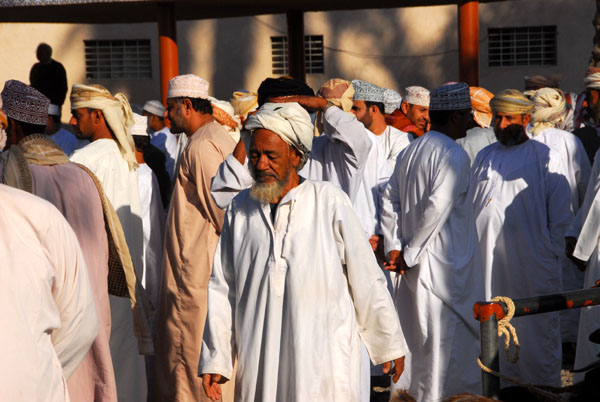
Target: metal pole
[[468, 41], [167, 46], [295, 30], [490, 384]]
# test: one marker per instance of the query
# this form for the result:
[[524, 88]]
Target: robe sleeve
[[558, 200], [582, 167], [391, 214], [586, 225], [376, 317], [73, 296], [449, 184], [218, 343], [231, 178]]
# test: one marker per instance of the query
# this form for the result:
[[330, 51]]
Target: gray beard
[[267, 192]]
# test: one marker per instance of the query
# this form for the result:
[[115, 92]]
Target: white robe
[[476, 139], [393, 142], [295, 318], [575, 160], [166, 142], [522, 206], [588, 234], [121, 186], [47, 306], [427, 213]]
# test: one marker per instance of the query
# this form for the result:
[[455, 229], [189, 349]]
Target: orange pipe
[[167, 47], [468, 41]]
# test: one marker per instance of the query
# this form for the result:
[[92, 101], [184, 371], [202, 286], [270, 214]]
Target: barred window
[[522, 46], [313, 54], [118, 59]]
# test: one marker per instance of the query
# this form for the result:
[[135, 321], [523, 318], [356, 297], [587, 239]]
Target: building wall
[[391, 47]]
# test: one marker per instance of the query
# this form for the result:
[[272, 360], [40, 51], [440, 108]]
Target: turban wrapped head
[[117, 114], [550, 109], [480, 99], [290, 121], [224, 114], [511, 101], [592, 78], [338, 92], [244, 102]]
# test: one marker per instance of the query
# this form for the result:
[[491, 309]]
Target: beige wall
[[391, 47]]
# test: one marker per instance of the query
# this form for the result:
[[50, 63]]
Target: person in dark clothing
[[49, 76], [156, 161]]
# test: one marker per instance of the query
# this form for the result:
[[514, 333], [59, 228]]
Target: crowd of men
[[286, 245]]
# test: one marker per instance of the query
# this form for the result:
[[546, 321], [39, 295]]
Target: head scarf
[[480, 99], [117, 114], [454, 96], [223, 113], [592, 78], [511, 101], [536, 82], [24, 103], [282, 86], [549, 111], [290, 121], [335, 94], [244, 102]]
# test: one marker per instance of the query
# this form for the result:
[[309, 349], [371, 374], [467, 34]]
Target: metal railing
[[488, 314]]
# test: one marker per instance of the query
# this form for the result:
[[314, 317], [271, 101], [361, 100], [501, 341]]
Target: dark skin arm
[[396, 263], [212, 385], [310, 103], [397, 370]]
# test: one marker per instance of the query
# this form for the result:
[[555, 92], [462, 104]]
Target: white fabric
[[140, 125], [67, 141], [166, 142], [188, 86], [587, 250], [428, 215], [393, 142], [154, 107], [121, 186], [592, 81], [153, 221], [522, 206], [53, 110], [575, 160], [476, 139], [48, 312], [293, 345]]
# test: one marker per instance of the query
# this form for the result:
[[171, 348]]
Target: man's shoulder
[[211, 133], [98, 151], [26, 206]]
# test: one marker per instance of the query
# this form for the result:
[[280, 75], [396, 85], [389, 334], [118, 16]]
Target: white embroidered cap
[[188, 86]]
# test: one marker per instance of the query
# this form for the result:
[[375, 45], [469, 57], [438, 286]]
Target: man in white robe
[[522, 207], [430, 238], [105, 120], [47, 307], [292, 345], [160, 135]]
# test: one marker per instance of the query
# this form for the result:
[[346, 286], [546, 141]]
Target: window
[[118, 59], [313, 54], [523, 46]]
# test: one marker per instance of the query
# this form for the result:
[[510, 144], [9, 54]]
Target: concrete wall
[[391, 47]]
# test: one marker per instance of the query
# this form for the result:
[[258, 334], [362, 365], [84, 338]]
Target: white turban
[[550, 109], [117, 114], [592, 80], [289, 121]]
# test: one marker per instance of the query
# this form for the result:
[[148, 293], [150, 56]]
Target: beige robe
[[193, 227], [72, 191], [46, 303]]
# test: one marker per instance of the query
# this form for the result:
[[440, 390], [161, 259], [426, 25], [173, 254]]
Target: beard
[[268, 191], [511, 135]]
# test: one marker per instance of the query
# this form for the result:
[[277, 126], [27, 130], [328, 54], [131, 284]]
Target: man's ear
[[296, 157], [97, 116], [526, 118], [404, 107]]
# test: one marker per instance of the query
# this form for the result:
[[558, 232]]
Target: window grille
[[313, 54], [118, 59], [522, 46]]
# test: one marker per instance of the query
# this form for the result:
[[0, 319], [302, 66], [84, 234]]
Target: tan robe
[[71, 190], [193, 227]]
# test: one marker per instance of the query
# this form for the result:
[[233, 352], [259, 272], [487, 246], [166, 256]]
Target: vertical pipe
[[468, 41], [489, 356], [295, 30], [167, 46]]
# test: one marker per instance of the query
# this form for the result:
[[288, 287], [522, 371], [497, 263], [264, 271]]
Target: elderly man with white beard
[[295, 285]]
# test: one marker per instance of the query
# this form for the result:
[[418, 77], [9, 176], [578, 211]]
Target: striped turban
[[117, 114], [511, 101], [480, 101], [550, 110], [592, 78]]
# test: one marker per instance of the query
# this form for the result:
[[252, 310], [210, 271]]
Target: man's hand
[[395, 262], [376, 242], [397, 370], [210, 383], [570, 243], [311, 103]]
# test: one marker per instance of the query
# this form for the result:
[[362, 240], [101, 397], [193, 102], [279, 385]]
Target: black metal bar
[[489, 356], [555, 302]]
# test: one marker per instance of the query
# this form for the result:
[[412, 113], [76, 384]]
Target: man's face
[[153, 121], [418, 115], [82, 122], [592, 102], [174, 114], [271, 163], [360, 110], [510, 128]]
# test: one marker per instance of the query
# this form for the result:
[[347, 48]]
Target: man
[[589, 133], [193, 227], [480, 134], [35, 164], [49, 76], [105, 120], [62, 137], [413, 115], [289, 315], [522, 208], [160, 135], [430, 238], [46, 303]]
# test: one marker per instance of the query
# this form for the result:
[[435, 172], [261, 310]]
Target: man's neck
[[102, 133], [378, 126], [195, 124]]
